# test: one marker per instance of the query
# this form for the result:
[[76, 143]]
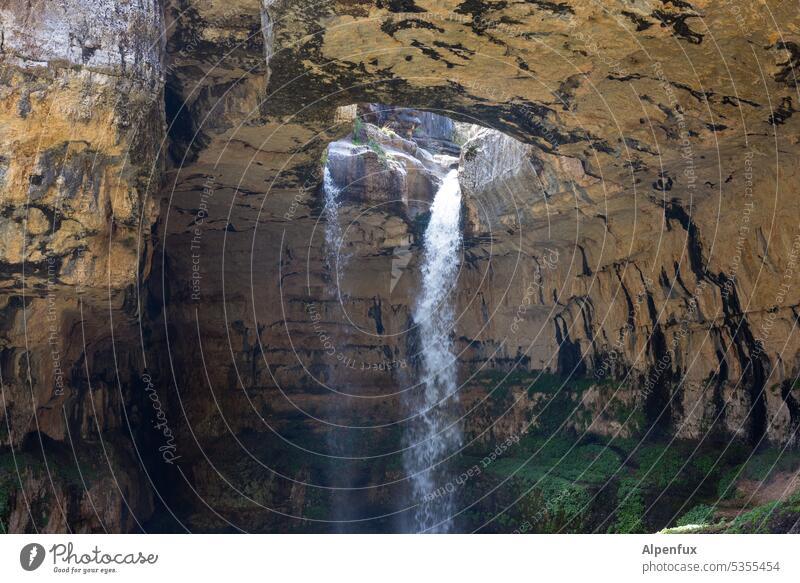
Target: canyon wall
[[81, 128], [163, 222]]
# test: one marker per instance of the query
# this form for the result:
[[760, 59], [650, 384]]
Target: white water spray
[[333, 230], [435, 432]]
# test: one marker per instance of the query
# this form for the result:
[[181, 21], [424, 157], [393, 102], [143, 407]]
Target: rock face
[[82, 117], [375, 166], [81, 127], [630, 218]]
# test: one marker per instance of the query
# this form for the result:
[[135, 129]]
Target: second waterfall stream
[[435, 432]]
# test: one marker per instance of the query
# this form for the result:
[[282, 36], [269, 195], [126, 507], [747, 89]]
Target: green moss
[[379, 151], [389, 132], [589, 464], [630, 508], [700, 514], [754, 521], [574, 485], [792, 503], [659, 465], [560, 396], [358, 128], [773, 516], [705, 464], [62, 469], [631, 415], [726, 486], [562, 479], [564, 501], [758, 467], [761, 465], [659, 468], [544, 383]]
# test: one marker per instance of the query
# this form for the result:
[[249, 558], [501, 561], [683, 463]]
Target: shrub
[[470, 151], [389, 132], [630, 510], [358, 127], [700, 514], [754, 521]]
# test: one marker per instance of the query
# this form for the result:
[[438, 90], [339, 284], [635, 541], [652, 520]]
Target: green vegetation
[[383, 158], [758, 468], [775, 516], [29, 462], [632, 415], [755, 521], [559, 478], [659, 464], [389, 132], [559, 457], [630, 508], [470, 150], [565, 501], [358, 139], [762, 464], [62, 467], [700, 514], [358, 128]]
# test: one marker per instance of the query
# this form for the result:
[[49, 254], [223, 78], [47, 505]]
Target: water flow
[[342, 473], [333, 230], [339, 472], [435, 431]]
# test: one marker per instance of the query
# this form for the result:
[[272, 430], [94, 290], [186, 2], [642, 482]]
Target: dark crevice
[[569, 353]]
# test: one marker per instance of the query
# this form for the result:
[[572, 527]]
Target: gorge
[[399, 266]]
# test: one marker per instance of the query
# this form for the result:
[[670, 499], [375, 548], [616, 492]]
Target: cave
[[369, 267]]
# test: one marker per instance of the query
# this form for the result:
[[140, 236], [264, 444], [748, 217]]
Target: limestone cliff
[[630, 221]]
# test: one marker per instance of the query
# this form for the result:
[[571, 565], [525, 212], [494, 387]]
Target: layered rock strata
[[642, 229]]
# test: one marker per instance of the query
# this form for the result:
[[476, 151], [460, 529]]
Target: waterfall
[[433, 315], [345, 504], [268, 33], [333, 230]]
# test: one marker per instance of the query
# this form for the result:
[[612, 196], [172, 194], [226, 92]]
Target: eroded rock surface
[[81, 129], [637, 230]]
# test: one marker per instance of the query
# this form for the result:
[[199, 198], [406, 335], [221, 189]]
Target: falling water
[[436, 432], [341, 472], [333, 230]]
